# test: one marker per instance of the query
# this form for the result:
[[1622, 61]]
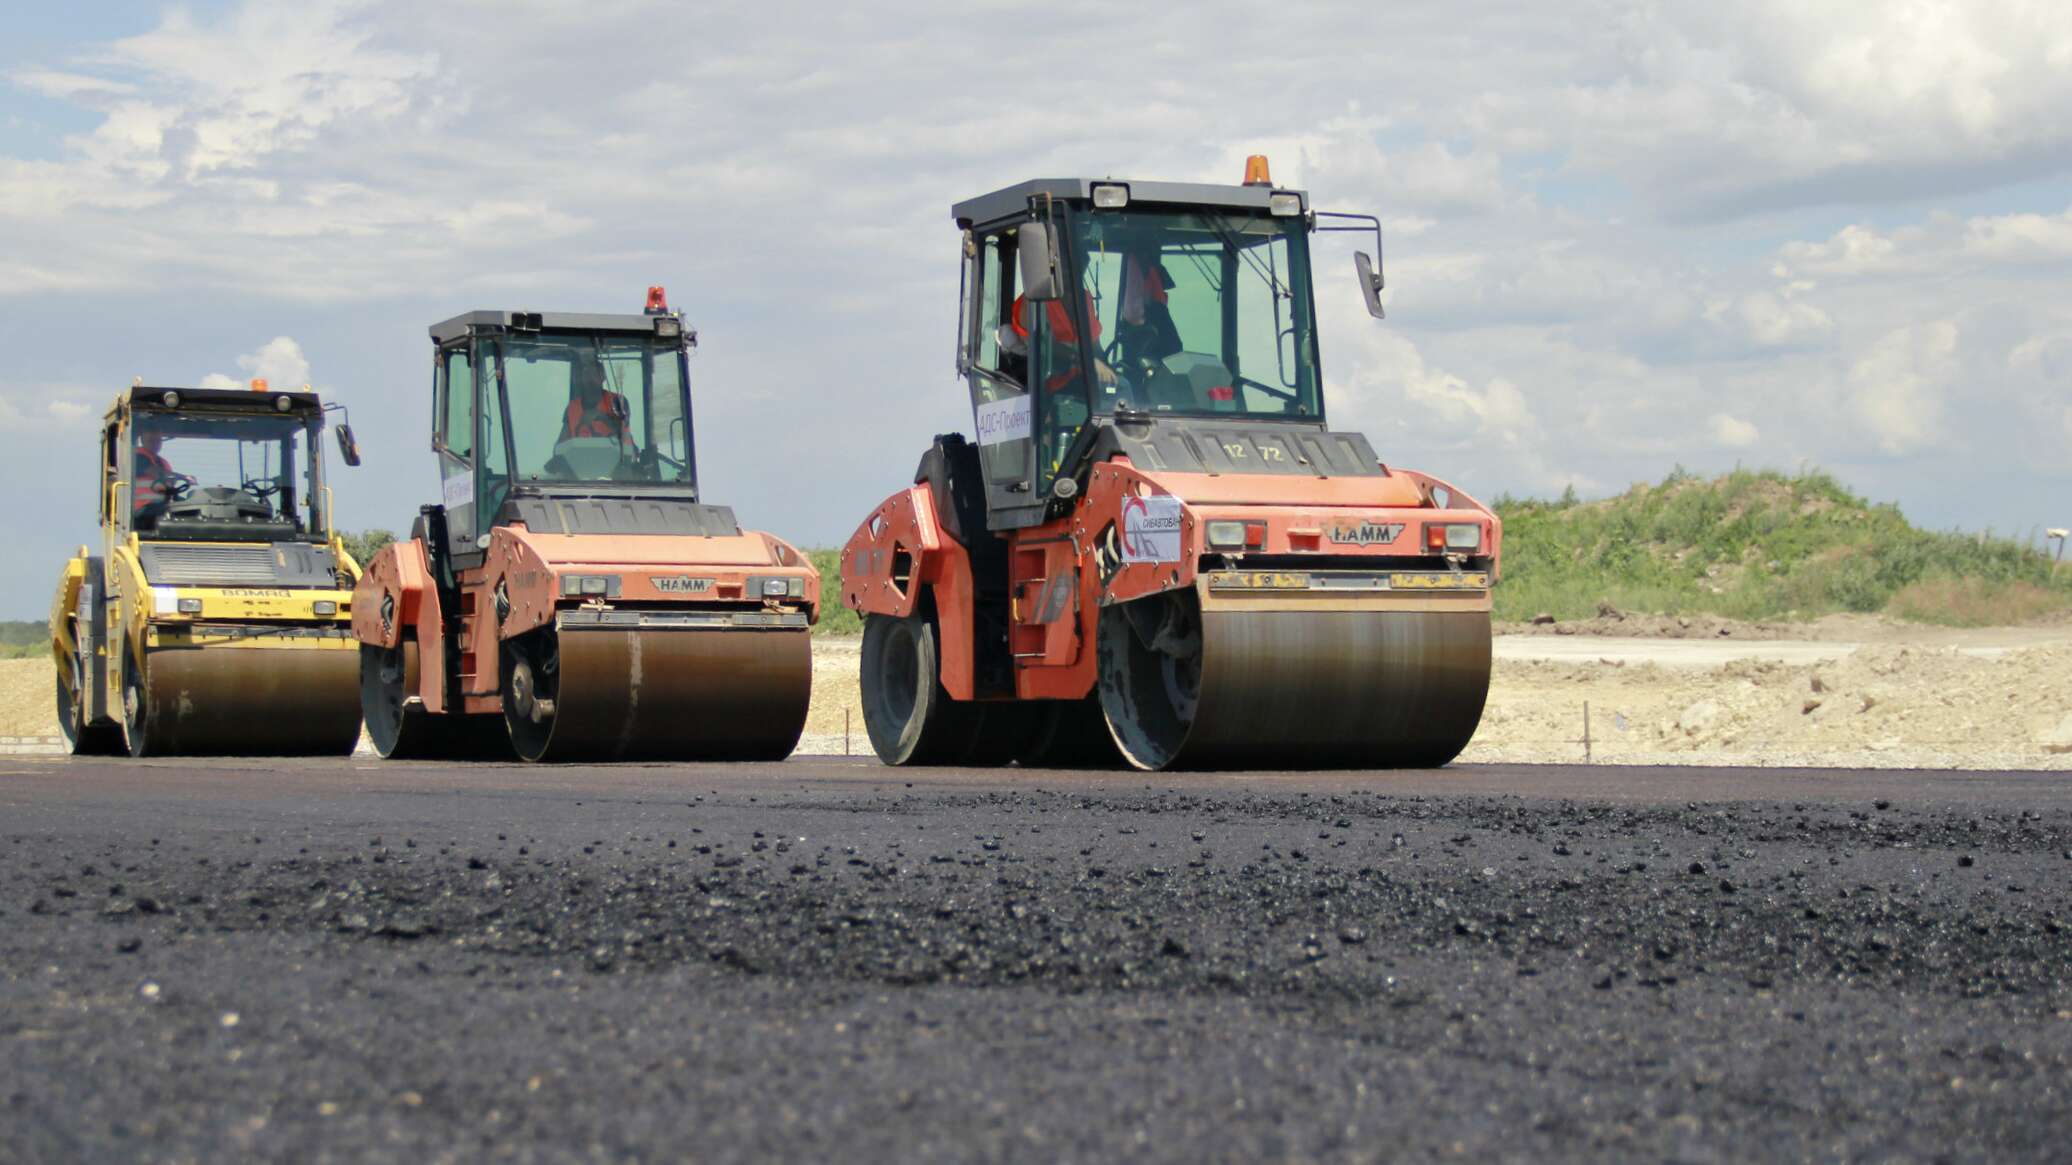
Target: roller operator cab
[[571, 596], [214, 615], [1157, 550]]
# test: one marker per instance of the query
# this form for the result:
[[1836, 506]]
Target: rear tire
[[400, 727], [137, 730], [531, 665], [395, 726], [910, 718]]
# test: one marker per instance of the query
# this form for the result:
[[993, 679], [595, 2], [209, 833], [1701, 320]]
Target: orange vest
[[602, 421], [147, 481]]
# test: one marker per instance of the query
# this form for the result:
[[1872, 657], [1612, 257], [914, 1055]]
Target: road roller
[[1155, 550], [572, 597], [215, 616]]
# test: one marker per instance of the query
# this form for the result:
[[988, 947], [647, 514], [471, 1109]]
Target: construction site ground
[[351, 960], [1845, 691]]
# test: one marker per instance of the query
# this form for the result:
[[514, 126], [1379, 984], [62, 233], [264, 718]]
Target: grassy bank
[[1762, 545], [1749, 545]]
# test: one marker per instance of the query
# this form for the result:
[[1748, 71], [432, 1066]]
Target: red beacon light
[[657, 301]]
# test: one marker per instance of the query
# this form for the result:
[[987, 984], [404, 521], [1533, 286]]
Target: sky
[[1621, 237]]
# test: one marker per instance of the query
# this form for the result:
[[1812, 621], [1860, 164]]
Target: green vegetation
[[24, 639], [835, 619], [1760, 545], [1749, 545], [363, 544]]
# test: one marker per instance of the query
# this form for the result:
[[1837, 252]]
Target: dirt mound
[[1884, 705], [28, 697], [1612, 622]]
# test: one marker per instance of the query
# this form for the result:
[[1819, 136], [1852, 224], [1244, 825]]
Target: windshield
[[225, 475], [1199, 312], [593, 408]]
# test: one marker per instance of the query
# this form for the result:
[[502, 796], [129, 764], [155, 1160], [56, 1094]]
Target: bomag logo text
[[1366, 533]]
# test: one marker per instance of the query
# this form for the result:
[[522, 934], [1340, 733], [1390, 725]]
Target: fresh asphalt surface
[[824, 959]]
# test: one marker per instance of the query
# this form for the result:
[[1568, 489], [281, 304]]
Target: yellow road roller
[[216, 617]]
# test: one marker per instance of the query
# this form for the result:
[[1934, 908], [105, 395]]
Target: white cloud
[[1766, 319], [1584, 207], [1897, 387], [1938, 246], [279, 362], [1733, 432]]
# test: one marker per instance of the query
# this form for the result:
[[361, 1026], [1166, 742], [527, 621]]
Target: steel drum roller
[[251, 701], [1294, 689], [668, 694]]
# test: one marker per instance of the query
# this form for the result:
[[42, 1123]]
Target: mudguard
[[397, 601], [901, 560]]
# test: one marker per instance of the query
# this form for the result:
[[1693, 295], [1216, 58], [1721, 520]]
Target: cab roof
[[1013, 201], [153, 397], [548, 321]]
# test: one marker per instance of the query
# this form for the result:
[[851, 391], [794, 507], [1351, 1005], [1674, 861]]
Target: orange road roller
[[572, 597], [1157, 551]]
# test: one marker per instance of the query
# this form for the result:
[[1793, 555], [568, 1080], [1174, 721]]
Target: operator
[[1145, 325], [593, 411], [151, 477], [1064, 342]]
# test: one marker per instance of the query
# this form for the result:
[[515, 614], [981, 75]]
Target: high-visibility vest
[[147, 482], [1061, 332], [602, 421]]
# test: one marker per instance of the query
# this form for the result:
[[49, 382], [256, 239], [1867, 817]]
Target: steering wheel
[[177, 486], [261, 489]]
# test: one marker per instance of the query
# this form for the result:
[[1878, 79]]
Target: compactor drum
[[1157, 552], [571, 597], [215, 617]]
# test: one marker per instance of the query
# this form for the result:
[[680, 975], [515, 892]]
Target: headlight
[[1455, 537], [324, 607], [589, 584], [594, 585], [1284, 205], [777, 586], [1111, 196], [190, 606], [1232, 535], [171, 400]]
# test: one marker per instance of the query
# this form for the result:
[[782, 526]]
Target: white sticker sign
[[1151, 529], [459, 490], [1004, 420], [165, 600]]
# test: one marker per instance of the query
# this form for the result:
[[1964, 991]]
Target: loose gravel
[[681, 964]]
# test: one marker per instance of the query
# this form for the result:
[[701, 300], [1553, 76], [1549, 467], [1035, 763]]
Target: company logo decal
[[1151, 529], [1000, 421], [681, 584], [1366, 533]]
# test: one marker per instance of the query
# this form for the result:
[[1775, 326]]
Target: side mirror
[[1370, 283], [1033, 255], [348, 447]]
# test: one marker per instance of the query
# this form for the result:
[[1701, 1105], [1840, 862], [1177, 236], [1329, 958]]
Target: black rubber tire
[[405, 731], [81, 738], [136, 711], [910, 718], [536, 652]]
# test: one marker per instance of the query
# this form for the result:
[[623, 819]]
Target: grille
[[210, 564]]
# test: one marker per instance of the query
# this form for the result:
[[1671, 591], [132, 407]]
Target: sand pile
[[1883, 705], [27, 697]]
